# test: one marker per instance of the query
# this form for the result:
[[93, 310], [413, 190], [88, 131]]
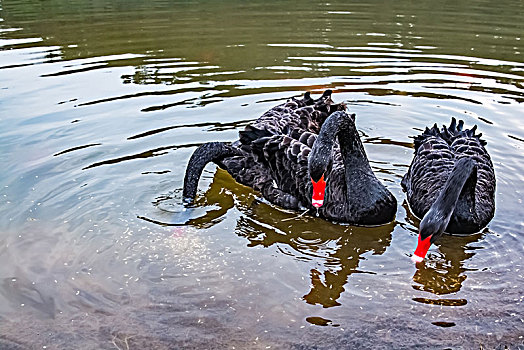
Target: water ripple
[[102, 107]]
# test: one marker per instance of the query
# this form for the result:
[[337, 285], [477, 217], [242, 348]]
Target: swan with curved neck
[[450, 184], [333, 178], [306, 113]]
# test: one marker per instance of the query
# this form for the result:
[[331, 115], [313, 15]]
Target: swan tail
[[428, 133], [307, 99], [325, 95], [449, 133], [204, 154], [324, 102], [456, 130], [325, 98]]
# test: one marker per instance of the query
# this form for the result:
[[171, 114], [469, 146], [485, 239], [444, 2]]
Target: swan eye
[[319, 190]]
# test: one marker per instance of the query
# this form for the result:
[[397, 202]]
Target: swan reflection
[[444, 271], [337, 248]]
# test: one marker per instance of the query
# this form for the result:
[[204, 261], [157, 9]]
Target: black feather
[[436, 152]]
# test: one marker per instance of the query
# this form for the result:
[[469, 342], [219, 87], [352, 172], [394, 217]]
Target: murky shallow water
[[102, 104]]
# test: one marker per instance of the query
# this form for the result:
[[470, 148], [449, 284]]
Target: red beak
[[319, 189], [422, 249]]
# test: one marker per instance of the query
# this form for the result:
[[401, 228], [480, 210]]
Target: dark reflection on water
[[102, 104], [212, 127], [319, 321], [340, 247], [443, 302], [444, 272], [204, 213], [444, 324], [146, 154]]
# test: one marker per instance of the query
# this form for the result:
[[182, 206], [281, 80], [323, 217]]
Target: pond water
[[102, 104]]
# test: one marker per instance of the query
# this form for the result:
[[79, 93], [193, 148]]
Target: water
[[102, 103]]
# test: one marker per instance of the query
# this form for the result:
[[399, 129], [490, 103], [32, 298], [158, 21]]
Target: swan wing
[[429, 170]]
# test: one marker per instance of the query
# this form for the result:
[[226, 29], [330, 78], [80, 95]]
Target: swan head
[[319, 169], [432, 226], [320, 159]]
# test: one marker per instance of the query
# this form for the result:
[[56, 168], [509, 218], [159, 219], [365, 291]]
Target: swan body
[[237, 157], [296, 162], [272, 156], [450, 183]]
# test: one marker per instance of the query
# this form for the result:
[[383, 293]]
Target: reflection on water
[[319, 321], [445, 272], [339, 247], [102, 104]]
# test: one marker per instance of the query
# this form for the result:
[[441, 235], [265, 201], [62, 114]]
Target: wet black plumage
[[272, 156], [451, 182], [353, 193], [305, 113], [237, 158]]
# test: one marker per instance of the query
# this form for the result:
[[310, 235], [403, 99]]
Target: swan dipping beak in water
[[319, 190]]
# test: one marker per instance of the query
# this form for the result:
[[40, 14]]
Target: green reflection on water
[[239, 36]]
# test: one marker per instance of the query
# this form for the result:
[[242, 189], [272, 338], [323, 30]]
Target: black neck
[[442, 209], [351, 146], [341, 125], [208, 152], [462, 171]]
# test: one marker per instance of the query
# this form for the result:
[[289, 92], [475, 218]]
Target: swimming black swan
[[309, 171], [354, 194], [237, 157], [450, 183]]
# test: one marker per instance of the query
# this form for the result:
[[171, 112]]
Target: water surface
[[102, 103]]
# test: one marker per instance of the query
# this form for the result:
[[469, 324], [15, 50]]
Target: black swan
[[450, 183], [309, 171], [285, 135], [237, 158]]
